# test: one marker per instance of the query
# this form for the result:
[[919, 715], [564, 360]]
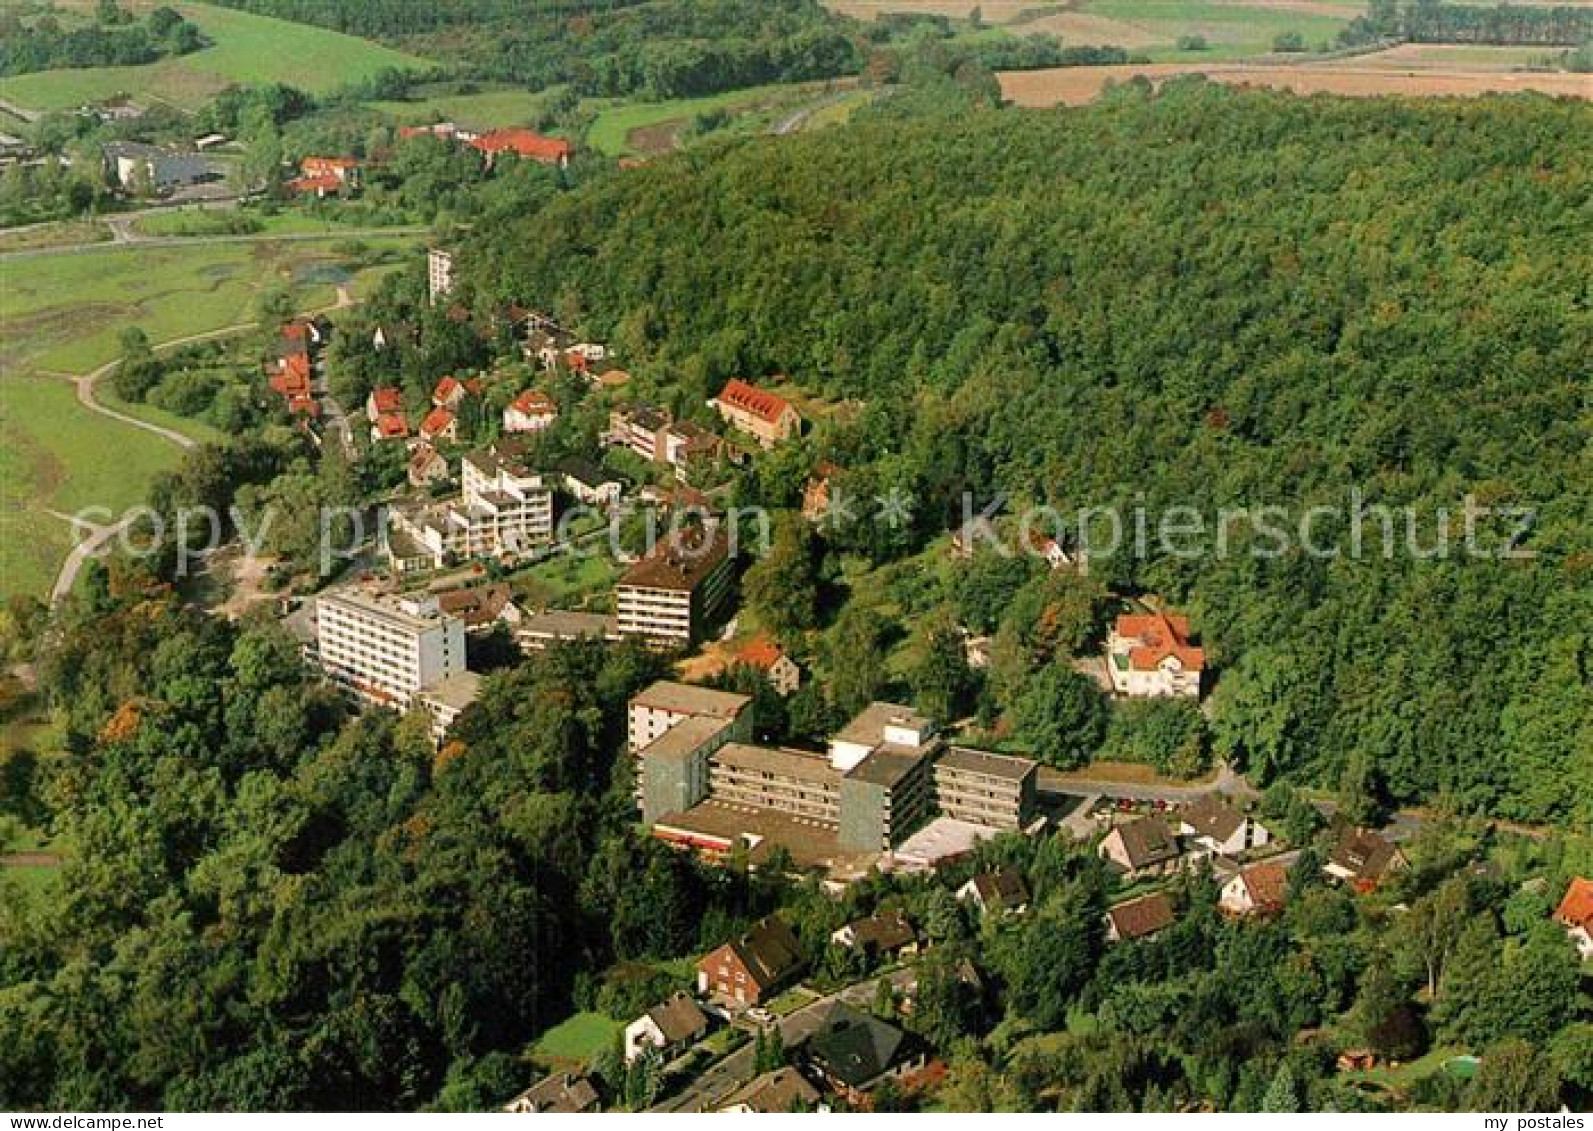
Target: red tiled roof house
[[1150, 655], [761, 414]]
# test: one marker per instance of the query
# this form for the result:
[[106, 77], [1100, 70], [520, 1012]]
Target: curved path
[[100, 536], [129, 237]]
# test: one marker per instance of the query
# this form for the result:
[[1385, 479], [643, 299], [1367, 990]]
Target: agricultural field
[[1231, 29], [246, 49], [1363, 76]]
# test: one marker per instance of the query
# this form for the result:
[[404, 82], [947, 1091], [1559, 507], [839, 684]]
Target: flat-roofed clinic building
[[886, 796], [386, 649], [986, 789], [874, 726], [792, 782], [665, 704], [669, 597], [672, 771]]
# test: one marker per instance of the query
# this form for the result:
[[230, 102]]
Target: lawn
[[611, 130], [562, 581], [1231, 31], [58, 456], [194, 429], [577, 1039], [63, 233], [245, 49]]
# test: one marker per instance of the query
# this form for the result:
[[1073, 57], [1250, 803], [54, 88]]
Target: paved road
[[1226, 781], [713, 1085], [100, 536]]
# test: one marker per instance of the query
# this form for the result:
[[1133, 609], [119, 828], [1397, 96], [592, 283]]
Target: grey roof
[[560, 1092], [684, 738], [457, 691], [855, 1047], [988, 765], [775, 1093], [868, 728], [585, 472], [795, 764], [888, 764], [687, 699], [564, 625]]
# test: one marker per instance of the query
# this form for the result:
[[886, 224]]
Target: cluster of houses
[[322, 177], [291, 370], [653, 434], [517, 141]]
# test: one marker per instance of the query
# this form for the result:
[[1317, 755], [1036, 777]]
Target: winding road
[[100, 535]]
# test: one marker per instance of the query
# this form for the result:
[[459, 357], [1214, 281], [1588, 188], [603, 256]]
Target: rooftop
[[749, 398], [682, 739], [686, 699], [796, 764], [888, 764], [1143, 916], [868, 728], [680, 562], [987, 765]]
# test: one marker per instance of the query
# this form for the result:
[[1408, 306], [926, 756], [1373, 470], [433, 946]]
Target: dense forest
[[38, 41], [1203, 298]]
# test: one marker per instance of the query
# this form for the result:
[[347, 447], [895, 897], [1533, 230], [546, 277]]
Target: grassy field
[[563, 580], [511, 106], [613, 129], [59, 456], [577, 1039], [65, 312], [66, 232], [245, 49]]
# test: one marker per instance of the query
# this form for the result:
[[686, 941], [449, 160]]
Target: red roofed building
[[1149, 655], [532, 411], [440, 424], [759, 413], [524, 143], [304, 406], [1575, 914], [292, 378], [345, 169], [383, 401], [449, 392], [780, 670], [1258, 890], [390, 426]]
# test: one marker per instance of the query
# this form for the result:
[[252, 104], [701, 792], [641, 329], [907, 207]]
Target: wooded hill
[[1206, 298]]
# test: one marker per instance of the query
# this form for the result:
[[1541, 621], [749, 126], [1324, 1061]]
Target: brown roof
[[1159, 635], [889, 931], [1363, 853], [749, 398], [1213, 817], [1268, 884], [775, 1093], [1143, 916], [769, 951], [1148, 841], [561, 1092], [681, 562], [679, 1018], [1001, 889], [478, 606]]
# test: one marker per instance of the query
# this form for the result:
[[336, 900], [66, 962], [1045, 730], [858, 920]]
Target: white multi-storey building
[[671, 595], [502, 511], [387, 649], [439, 273]]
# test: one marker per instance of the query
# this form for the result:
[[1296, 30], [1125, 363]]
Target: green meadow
[[245, 49]]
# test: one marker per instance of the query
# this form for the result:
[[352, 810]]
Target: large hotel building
[[387, 649], [670, 596]]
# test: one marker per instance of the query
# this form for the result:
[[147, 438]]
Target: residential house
[[588, 483], [640, 428], [1143, 847], [523, 143], [321, 177], [767, 417], [562, 1093], [1139, 918], [426, 466], [531, 411], [767, 657], [1260, 889], [688, 447], [854, 1051], [482, 607], [384, 408], [1575, 914], [887, 933], [451, 392], [670, 1026], [1150, 655], [1363, 858], [749, 970], [1002, 892], [1218, 828], [816, 492], [781, 1092], [1048, 550], [440, 425]]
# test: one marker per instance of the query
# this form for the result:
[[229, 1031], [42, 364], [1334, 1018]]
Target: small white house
[[1218, 829], [1257, 890], [531, 411], [675, 1024]]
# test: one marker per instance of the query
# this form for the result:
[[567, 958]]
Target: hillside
[[1210, 299]]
